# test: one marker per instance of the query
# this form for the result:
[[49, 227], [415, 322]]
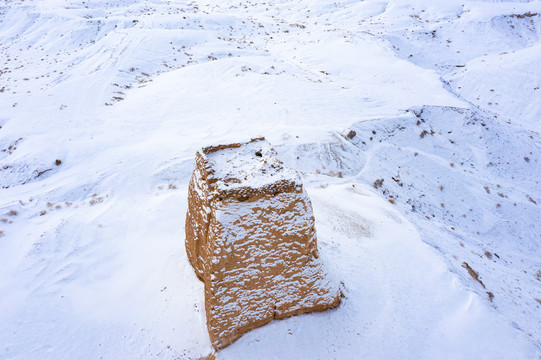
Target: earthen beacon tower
[[251, 239]]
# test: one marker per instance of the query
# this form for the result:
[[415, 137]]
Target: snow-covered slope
[[104, 103]]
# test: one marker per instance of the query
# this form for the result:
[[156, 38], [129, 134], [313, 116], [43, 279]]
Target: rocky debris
[[251, 238]]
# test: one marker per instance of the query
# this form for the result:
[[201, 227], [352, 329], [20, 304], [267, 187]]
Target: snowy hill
[[414, 124]]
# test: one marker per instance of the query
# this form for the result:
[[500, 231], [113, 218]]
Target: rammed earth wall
[[251, 239]]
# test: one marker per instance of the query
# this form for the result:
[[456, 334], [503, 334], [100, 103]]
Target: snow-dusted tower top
[[242, 170], [250, 236]]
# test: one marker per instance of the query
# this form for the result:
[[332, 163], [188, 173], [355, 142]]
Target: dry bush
[[474, 274], [378, 183]]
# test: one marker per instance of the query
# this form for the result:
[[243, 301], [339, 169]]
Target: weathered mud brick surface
[[251, 239]]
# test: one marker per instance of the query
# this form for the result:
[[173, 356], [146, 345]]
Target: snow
[[246, 167], [123, 93]]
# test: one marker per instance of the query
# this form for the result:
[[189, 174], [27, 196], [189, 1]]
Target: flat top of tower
[[245, 165]]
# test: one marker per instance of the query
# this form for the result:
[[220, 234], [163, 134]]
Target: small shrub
[[378, 183], [474, 274], [525, 15], [95, 200]]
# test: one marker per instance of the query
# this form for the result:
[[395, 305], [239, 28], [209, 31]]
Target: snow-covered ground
[[415, 125]]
